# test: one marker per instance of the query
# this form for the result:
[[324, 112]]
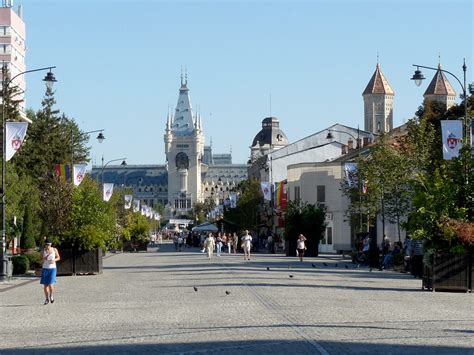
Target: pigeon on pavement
[[227, 293], [291, 276], [268, 268], [312, 265], [195, 289], [347, 267], [325, 264]]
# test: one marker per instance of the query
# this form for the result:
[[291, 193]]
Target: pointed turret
[[378, 103], [378, 84], [183, 123], [440, 89]]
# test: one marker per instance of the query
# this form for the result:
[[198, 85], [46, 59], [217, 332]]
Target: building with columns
[[378, 104], [192, 172]]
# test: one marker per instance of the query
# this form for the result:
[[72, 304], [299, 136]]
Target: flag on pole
[[79, 171], [128, 201], [143, 210], [15, 135], [62, 171], [148, 211], [233, 199], [136, 205], [108, 191], [281, 196], [451, 133], [266, 190], [350, 171], [157, 216]]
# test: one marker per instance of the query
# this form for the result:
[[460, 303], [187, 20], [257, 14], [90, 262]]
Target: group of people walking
[[221, 240]]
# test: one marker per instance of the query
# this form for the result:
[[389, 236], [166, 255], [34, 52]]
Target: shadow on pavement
[[270, 346]]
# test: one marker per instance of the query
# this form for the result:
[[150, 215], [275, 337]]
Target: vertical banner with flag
[[128, 201], [108, 191], [62, 171], [451, 133], [350, 172], [136, 205], [233, 200], [78, 173], [281, 196], [143, 210], [157, 216], [15, 135], [266, 190]]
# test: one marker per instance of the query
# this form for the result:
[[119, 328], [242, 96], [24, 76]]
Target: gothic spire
[[378, 84]]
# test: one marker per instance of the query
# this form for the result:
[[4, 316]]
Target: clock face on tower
[[182, 161]]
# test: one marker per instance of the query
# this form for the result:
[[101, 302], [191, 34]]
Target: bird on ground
[[336, 265], [291, 276], [268, 269], [347, 267], [195, 289], [312, 265], [325, 264], [227, 293]]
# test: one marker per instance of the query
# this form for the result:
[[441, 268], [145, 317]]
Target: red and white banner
[[451, 136], [108, 191], [15, 135], [79, 171], [128, 201]]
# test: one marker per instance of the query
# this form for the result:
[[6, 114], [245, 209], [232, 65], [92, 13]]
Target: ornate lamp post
[[49, 80], [124, 163]]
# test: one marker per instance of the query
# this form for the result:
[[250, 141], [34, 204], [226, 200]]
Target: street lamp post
[[418, 78], [49, 80], [124, 163], [100, 137]]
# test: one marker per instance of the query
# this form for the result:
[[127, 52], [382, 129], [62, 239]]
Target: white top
[[300, 244], [50, 262], [247, 239]]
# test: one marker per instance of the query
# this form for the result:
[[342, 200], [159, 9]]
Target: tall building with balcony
[[13, 48]]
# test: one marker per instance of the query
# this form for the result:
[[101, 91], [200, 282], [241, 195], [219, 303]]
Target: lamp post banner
[[350, 171], [233, 199], [266, 190], [79, 171], [136, 205], [128, 201], [15, 135], [108, 191], [451, 136], [144, 209]]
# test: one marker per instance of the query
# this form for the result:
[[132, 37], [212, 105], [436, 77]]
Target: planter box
[[75, 262], [450, 272]]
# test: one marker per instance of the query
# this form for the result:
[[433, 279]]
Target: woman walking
[[247, 244], [50, 256], [300, 246], [209, 245]]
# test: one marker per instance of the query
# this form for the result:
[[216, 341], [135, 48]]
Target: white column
[[183, 180]]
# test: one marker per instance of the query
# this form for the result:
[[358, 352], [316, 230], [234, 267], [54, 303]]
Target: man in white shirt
[[246, 244]]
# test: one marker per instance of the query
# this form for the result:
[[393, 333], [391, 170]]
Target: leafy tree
[[245, 215], [307, 219], [27, 240], [92, 219]]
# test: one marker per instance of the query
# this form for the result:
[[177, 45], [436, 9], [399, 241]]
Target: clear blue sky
[[119, 62]]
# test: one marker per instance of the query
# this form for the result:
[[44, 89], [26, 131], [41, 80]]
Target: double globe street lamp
[[49, 80]]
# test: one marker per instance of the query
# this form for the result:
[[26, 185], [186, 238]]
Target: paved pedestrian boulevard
[[146, 303]]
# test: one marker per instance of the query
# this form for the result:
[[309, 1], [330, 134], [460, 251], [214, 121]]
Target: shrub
[[34, 258], [21, 264]]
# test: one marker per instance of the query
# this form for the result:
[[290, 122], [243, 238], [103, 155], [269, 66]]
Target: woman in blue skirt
[[48, 275]]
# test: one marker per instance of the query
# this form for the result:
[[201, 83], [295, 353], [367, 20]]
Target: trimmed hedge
[[34, 259], [21, 264]]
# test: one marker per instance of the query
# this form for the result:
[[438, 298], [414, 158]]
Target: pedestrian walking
[[246, 244], [235, 242], [301, 246], [209, 245], [49, 256], [219, 244]]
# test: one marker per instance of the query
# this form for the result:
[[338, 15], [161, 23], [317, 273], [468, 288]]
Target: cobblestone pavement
[[145, 303]]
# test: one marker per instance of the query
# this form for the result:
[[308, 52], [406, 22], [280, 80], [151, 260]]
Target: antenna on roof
[[377, 58]]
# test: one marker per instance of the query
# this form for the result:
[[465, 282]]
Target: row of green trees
[[407, 182], [40, 205]]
